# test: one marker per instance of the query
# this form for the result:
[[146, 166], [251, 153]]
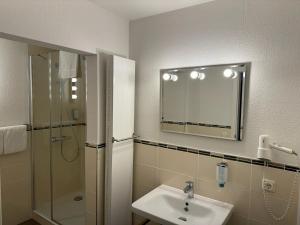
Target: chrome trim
[[124, 139], [29, 128], [50, 132], [99, 146], [243, 88]]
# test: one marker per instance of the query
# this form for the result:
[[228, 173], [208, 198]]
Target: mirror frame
[[241, 100]]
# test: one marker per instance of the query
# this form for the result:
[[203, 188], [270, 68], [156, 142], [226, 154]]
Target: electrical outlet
[[268, 185]]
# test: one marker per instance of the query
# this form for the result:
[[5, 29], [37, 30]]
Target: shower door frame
[[51, 219]]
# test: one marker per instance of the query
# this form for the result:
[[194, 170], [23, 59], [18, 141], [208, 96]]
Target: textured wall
[[77, 24], [14, 84], [264, 32], [15, 181]]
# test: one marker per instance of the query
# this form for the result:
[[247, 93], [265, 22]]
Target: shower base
[[67, 210]]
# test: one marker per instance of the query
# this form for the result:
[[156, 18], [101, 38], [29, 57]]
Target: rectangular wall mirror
[[204, 100]]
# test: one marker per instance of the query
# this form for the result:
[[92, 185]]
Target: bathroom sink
[[169, 206]]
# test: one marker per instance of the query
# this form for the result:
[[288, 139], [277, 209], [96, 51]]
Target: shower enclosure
[[58, 137]]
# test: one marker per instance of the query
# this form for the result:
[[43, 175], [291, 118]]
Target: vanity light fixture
[[196, 75], [74, 88], [172, 77], [230, 73], [201, 76], [166, 76]]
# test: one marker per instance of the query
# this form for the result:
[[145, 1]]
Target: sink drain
[[182, 218]]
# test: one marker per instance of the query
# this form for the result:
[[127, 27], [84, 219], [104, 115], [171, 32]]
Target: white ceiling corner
[[136, 9]]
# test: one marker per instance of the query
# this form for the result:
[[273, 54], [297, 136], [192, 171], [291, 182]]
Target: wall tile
[[173, 179], [237, 220], [239, 174], [243, 188], [145, 154], [259, 213], [283, 180], [145, 175], [181, 162]]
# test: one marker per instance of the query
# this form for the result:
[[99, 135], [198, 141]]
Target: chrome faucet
[[189, 189]]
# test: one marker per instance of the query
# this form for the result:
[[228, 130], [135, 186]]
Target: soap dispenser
[[222, 174]]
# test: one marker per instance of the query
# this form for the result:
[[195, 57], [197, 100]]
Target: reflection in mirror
[[204, 101]]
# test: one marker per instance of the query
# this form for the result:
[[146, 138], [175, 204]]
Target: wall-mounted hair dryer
[[264, 148]]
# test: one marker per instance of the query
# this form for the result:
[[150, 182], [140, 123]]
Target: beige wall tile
[[237, 220], [145, 154], [173, 179], [16, 202], [91, 204], [209, 131], [254, 222], [206, 169], [173, 127], [90, 219], [91, 185], [283, 180], [259, 213], [239, 174], [15, 181], [140, 191], [243, 188], [177, 161], [90, 169], [145, 175], [101, 188]]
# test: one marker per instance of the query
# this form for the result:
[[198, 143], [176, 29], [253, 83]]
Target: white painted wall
[[14, 83], [77, 24], [14, 110], [225, 31]]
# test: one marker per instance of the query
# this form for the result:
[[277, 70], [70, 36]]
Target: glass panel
[[40, 136], [58, 140], [67, 146]]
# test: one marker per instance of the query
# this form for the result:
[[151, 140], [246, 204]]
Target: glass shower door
[[67, 135]]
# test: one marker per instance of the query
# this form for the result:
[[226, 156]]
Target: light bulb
[[74, 96], [194, 75], [235, 74], [166, 76], [228, 73], [74, 88], [201, 76], [174, 78]]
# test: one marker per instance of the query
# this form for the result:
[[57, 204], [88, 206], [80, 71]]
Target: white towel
[[1, 141], [15, 139], [68, 64]]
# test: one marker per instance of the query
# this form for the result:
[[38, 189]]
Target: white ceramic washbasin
[[166, 205]]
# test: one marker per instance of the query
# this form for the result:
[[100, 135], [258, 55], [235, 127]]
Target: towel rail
[[124, 139]]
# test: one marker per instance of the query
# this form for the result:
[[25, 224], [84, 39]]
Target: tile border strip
[[90, 145], [195, 124], [29, 128], [220, 155]]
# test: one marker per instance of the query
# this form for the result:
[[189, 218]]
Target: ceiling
[[135, 9]]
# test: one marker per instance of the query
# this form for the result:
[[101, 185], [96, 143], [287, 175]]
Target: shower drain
[[78, 198], [182, 218]]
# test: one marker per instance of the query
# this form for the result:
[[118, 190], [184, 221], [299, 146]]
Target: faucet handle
[[190, 183]]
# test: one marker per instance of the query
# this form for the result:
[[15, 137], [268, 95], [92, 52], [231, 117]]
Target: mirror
[[204, 100]]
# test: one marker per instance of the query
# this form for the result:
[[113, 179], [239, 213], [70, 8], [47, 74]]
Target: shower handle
[[59, 139]]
